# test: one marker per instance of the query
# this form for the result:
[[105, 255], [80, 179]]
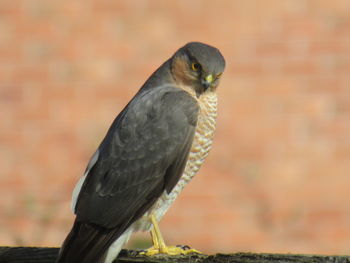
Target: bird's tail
[[87, 243]]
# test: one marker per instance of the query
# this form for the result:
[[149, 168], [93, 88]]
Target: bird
[[151, 151]]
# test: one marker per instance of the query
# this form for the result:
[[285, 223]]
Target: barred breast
[[200, 148]]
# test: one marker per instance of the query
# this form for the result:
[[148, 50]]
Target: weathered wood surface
[[48, 255]]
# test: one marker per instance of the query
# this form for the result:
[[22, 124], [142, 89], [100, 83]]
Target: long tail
[[87, 243]]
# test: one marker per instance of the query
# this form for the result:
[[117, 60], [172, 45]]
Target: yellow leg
[[154, 238], [159, 246]]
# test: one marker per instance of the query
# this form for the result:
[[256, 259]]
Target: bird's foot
[[169, 250]]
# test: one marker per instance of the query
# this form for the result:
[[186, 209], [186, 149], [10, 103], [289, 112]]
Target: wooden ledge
[[48, 255]]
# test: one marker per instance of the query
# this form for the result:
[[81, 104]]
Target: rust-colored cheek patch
[[181, 71]]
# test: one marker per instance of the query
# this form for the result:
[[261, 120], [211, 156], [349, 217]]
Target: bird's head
[[199, 66]]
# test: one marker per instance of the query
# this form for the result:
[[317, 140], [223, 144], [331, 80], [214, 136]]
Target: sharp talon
[[159, 246], [184, 247], [171, 250]]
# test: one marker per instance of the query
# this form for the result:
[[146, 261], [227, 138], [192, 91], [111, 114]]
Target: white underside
[[78, 186], [117, 245]]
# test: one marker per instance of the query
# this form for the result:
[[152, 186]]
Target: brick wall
[[278, 177]]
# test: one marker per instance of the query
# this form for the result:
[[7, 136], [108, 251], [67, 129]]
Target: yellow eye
[[218, 75], [195, 66]]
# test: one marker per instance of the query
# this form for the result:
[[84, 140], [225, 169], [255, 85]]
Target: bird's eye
[[195, 66]]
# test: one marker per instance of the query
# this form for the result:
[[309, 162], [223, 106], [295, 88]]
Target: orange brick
[[277, 178]]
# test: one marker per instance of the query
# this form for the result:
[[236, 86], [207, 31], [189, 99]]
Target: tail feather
[[87, 243]]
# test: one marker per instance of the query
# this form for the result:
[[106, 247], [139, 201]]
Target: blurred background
[[278, 176]]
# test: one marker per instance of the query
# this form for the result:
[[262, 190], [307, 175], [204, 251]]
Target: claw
[[159, 246], [170, 250]]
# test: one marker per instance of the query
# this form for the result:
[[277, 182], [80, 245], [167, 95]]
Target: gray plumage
[[143, 155]]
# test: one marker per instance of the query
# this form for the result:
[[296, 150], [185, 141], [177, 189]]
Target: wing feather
[[143, 154]]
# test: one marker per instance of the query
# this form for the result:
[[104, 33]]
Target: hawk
[[151, 151]]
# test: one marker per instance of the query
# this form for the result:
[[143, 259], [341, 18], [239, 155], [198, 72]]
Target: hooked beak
[[207, 81]]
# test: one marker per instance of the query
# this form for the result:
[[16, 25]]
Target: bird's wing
[[143, 154]]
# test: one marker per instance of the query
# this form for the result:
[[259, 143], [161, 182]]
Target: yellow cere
[[209, 78]]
